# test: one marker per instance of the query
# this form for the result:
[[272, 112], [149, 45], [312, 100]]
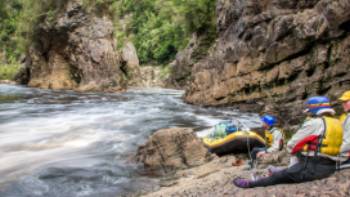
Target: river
[[67, 144]]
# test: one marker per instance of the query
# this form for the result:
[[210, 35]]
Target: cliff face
[[75, 50], [275, 51], [181, 67]]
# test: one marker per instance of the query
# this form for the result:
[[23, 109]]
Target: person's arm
[[309, 132], [277, 138]]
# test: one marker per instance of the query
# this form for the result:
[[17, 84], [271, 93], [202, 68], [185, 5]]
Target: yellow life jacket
[[268, 138], [330, 142]]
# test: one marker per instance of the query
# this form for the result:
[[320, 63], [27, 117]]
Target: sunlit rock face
[[168, 150], [131, 64], [275, 51], [75, 50]]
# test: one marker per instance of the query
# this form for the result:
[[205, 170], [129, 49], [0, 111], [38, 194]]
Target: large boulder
[[275, 51], [168, 150], [75, 49]]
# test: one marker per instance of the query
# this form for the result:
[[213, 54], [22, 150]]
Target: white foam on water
[[71, 130]]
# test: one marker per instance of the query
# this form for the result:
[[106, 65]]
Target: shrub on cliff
[[160, 28], [9, 12], [8, 72]]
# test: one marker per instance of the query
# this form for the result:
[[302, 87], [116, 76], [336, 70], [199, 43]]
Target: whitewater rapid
[[63, 143]]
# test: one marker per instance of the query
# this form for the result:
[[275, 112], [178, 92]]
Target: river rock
[[275, 52], [75, 49], [131, 64], [168, 150]]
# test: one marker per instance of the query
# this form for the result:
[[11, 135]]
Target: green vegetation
[[32, 13], [9, 12], [158, 28], [18, 22], [9, 45], [8, 72]]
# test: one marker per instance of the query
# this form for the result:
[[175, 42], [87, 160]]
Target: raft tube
[[237, 142]]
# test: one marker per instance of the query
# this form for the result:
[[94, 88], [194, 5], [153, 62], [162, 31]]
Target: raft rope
[[253, 163], [246, 129]]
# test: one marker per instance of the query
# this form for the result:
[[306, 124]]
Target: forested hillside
[[158, 28]]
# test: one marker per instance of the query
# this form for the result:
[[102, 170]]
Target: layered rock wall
[[275, 51]]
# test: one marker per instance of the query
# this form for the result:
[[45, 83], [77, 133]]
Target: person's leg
[[303, 171], [318, 168], [345, 164], [307, 169], [252, 157], [273, 169], [255, 151], [284, 176], [276, 178]]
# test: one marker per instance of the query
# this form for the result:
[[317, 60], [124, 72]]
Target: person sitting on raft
[[274, 138], [345, 119], [317, 144]]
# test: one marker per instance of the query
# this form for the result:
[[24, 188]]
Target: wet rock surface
[[169, 150], [75, 50], [275, 51]]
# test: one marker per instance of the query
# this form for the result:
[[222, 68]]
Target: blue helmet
[[269, 120], [317, 103]]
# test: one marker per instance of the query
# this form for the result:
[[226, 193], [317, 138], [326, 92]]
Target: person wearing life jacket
[[345, 119], [316, 144], [273, 136]]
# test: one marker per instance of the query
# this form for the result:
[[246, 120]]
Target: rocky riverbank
[[8, 82], [213, 177]]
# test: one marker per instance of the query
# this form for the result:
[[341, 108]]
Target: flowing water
[[67, 144]]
